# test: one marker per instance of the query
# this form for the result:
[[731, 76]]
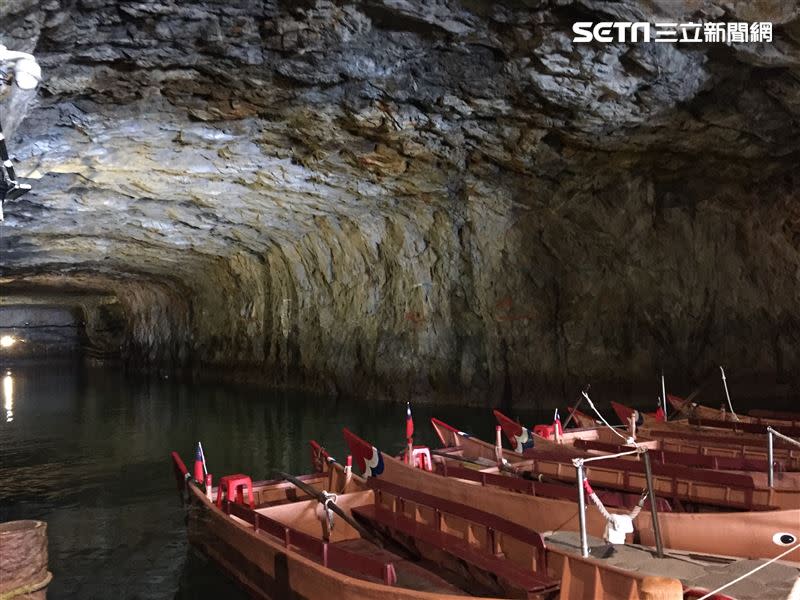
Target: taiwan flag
[[409, 422]]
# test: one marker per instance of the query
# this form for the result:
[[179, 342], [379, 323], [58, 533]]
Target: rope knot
[[328, 499]]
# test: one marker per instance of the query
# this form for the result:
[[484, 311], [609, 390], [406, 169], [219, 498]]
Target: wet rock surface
[[400, 199]]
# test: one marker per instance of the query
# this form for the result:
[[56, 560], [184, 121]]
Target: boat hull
[[269, 570], [751, 533], [581, 578]]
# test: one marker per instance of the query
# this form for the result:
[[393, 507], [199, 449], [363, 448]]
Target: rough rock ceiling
[[398, 196]]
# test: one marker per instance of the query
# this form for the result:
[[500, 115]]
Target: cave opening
[[37, 326]]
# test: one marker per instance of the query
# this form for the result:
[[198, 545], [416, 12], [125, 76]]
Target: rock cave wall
[[430, 200]]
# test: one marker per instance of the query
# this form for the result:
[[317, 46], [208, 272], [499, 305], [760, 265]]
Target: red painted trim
[[695, 592], [181, 473], [441, 423], [179, 465]]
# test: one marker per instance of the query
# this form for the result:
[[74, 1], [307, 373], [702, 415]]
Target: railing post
[[653, 510], [770, 458], [581, 507]]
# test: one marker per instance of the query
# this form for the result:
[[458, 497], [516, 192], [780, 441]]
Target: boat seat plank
[[721, 439], [676, 474], [409, 574], [529, 581], [331, 555], [791, 431], [740, 480], [463, 511], [558, 491], [686, 459]]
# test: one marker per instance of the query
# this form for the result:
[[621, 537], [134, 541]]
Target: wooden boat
[[601, 440], [428, 548], [717, 438], [282, 545], [624, 413], [692, 410], [732, 489], [752, 532], [697, 440], [555, 518]]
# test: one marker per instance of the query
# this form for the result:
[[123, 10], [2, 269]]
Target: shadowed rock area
[[414, 199]]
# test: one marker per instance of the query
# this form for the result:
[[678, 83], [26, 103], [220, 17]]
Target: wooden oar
[[688, 403], [320, 497], [577, 404], [474, 461], [503, 467]]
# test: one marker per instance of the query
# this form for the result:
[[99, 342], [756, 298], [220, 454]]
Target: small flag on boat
[[519, 436], [660, 415], [409, 422], [198, 464], [367, 457]]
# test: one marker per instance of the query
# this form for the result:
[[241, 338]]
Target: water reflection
[[8, 396], [87, 451]]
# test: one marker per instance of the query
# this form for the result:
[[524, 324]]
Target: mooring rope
[[328, 498], [746, 575], [628, 440], [27, 588]]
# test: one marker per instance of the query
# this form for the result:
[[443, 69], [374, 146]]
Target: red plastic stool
[[233, 485], [421, 458]]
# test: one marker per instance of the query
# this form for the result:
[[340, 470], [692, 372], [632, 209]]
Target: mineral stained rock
[[415, 198]]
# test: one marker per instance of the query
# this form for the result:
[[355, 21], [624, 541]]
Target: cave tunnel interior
[[253, 223], [450, 202]]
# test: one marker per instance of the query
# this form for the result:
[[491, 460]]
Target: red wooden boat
[[624, 413], [717, 438], [537, 513], [277, 542], [721, 443], [754, 530], [788, 421], [733, 489]]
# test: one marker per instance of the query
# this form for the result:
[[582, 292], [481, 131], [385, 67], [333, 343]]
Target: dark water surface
[[87, 450]]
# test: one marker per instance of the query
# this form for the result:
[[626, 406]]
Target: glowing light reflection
[[8, 396], [7, 341]]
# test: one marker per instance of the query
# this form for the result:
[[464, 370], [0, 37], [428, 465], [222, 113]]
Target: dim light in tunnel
[[7, 341]]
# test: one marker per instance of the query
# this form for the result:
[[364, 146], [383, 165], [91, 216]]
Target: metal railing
[[771, 451], [581, 477]]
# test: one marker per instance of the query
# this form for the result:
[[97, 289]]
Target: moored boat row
[[473, 518]]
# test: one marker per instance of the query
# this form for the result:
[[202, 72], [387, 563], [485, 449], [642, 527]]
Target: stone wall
[[417, 199]]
